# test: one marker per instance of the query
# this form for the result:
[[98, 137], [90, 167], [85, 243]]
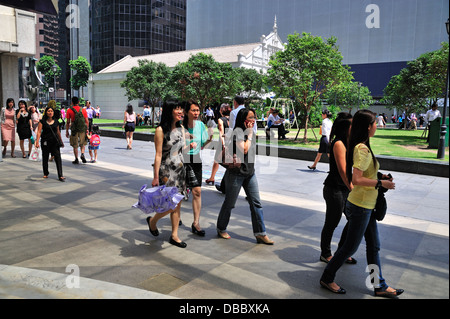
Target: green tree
[[82, 70], [306, 69], [205, 80], [420, 83], [45, 66], [253, 83], [150, 81], [349, 95]]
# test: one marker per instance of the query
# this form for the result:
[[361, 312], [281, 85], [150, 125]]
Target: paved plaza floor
[[50, 232]]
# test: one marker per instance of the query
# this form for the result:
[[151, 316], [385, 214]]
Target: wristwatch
[[378, 184]]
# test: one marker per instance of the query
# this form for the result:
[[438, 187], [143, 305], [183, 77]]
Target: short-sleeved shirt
[[327, 124], [199, 135], [364, 196], [70, 115], [90, 112]]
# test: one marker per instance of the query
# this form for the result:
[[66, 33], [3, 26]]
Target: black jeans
[[47, 149], [335, 199]]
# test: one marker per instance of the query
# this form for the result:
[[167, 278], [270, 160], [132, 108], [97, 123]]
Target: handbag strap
[[51, 129]]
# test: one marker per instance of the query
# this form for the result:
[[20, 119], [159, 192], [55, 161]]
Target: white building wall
[[16, 41], [105, 91]]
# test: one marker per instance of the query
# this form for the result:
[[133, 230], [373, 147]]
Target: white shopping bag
[[36, 155]]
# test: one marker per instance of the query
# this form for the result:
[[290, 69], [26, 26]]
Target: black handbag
[[380, 209], [191, 179], [58, 140]]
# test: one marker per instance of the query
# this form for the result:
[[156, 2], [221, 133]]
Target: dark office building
[[135, 27]]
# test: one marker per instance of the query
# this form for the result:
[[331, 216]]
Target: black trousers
[[51, 148], [335, 199]]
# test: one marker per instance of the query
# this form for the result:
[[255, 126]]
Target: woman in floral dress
[[168, 166]]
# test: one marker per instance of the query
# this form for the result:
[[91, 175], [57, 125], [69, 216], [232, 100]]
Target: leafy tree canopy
[[205, 80], [306, 69], [82, 70]]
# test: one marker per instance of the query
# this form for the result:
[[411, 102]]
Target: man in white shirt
[[277, 122], [432, 114], [238, 104]]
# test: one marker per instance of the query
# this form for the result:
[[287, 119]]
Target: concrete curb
[[387, 163], [18, 282]]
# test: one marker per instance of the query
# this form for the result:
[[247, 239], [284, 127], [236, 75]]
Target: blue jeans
[[233, 184], [360, 223]]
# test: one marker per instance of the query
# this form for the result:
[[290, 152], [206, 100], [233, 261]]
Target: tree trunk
[[305, 138]]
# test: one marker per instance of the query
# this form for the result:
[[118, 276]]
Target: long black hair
[[166, 115], [45, 117], [10, 100], [359, 133], [129, 109], [241, 117], [340, 129]]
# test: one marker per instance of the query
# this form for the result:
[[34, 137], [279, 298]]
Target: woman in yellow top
[[359, 207]]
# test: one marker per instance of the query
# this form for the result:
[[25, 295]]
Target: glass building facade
[[135, 27], [376, 37]]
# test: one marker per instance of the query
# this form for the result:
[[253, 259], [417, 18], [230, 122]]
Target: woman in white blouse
[[325, 131]]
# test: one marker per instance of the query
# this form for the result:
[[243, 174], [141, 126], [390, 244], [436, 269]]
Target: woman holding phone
[[244, 142]]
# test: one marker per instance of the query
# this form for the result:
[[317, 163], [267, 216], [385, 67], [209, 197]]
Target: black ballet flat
[[200, 233], [153, 232], [351, 261], [387, 294], [340, 291], [180, 244]]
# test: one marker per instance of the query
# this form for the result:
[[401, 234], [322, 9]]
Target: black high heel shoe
[[180, 244], [312, 167], [153, 232], [201, 233]]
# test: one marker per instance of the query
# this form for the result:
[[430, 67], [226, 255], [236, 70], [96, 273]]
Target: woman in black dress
[[23, 123]]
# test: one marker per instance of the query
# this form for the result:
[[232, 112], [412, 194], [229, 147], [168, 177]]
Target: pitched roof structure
[[225, 54]]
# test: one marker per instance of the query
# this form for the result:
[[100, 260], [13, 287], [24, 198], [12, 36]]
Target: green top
[[199, 135]]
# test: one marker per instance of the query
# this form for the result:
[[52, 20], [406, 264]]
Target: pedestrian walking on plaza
[[8, 123], [359, 207], [168, 166], [90, 113], [244, 144], [129, 124], [49, 139], [223, 126], [336, 186], [238, 104], [325, 130], [94, 143], [24, 127], [77, 121], [35, 118], [197, 137]]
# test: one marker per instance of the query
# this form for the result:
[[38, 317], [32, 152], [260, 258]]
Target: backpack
[[95, 140], [79, 123]]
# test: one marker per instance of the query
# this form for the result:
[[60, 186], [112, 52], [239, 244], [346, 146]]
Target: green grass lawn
[[389, 142]]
